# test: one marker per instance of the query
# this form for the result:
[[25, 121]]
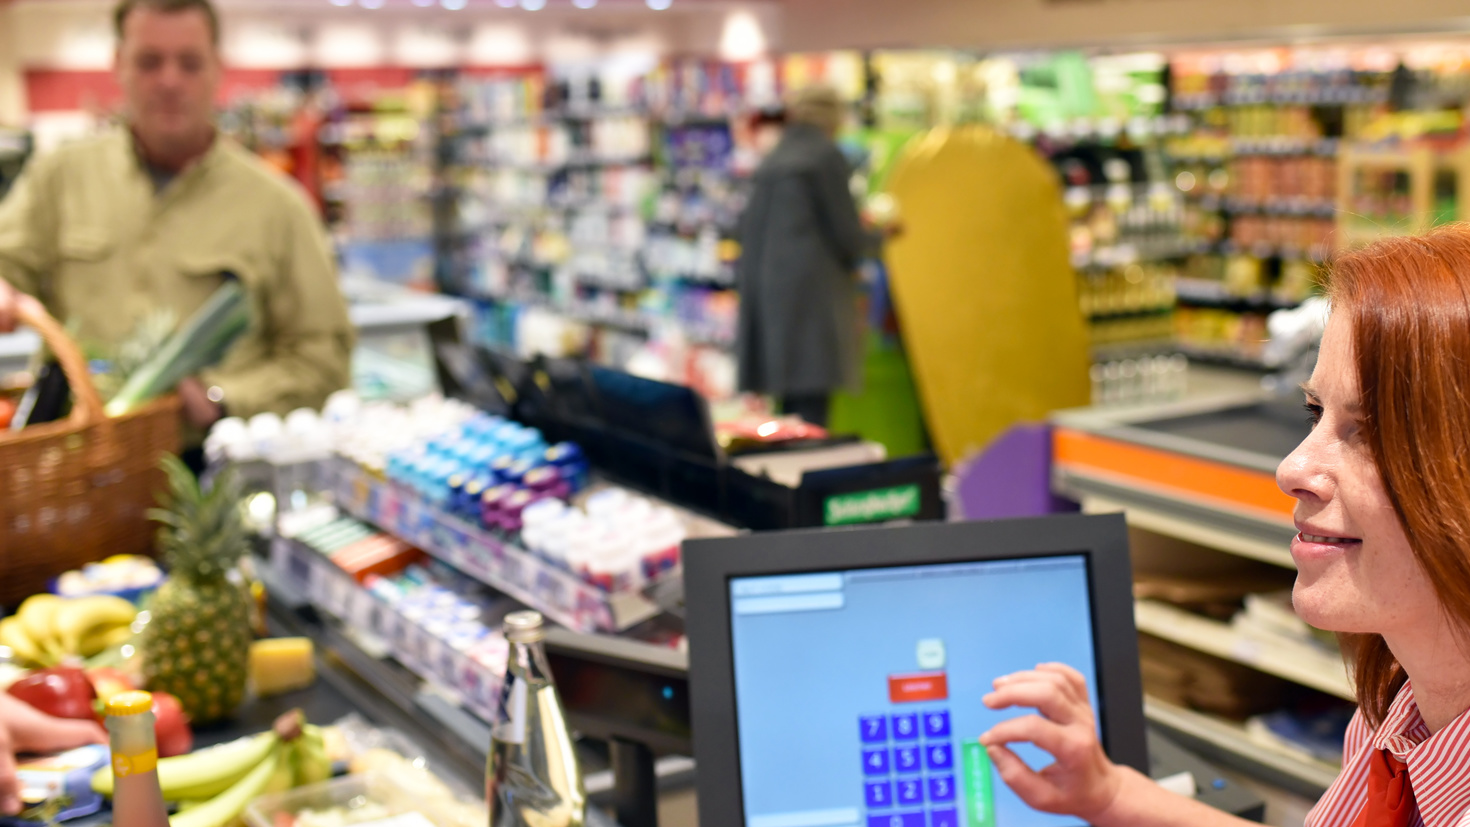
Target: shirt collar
[[1437, 762], [200, 166]]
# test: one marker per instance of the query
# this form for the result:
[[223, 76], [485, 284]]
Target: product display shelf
[[1230, 744], [485, 557], [1171, 521], [379, 628], [356, 667], [1297, 662], [1209, 292], [1422, 165]]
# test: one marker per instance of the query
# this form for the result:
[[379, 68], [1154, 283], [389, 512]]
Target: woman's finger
[[1075, 680], [1047, 698], [9, 784], [61, 734], [1025, 782], [1031, 729]]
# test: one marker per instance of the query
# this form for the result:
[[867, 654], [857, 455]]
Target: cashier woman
[[159, 211], [1382, 486]]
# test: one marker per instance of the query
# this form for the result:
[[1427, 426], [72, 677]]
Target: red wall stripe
[[63, 90], [66, 90]]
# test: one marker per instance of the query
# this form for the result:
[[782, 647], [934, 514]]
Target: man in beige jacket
[[158, 213]]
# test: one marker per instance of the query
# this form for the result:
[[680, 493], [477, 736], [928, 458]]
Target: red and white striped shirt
[[1439, 767]]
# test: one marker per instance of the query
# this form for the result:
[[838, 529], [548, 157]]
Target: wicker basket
[[77, 490]]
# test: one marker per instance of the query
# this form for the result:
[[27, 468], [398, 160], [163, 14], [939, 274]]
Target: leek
[[202, 341]]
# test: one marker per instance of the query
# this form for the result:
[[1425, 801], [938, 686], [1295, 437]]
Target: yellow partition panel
[[983, 286]]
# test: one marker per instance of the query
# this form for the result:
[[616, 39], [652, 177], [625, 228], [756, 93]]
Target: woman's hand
[[1082, 781], [32, 730], [23, 728]]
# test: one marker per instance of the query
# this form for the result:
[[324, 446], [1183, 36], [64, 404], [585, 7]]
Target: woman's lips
[[1307, 546]]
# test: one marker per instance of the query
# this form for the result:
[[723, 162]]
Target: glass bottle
[[533, 779], [137, 800]]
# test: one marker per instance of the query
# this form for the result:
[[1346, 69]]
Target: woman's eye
[[1314, 413]]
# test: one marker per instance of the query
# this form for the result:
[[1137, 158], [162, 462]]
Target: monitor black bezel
[[709, 565]]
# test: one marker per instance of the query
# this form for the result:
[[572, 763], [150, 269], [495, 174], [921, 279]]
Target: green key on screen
[[979, 796]]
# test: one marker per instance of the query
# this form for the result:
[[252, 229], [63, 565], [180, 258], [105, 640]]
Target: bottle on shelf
[[533, 778], [137, 798]]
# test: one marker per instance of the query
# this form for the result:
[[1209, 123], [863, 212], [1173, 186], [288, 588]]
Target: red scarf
[[1390, 795]]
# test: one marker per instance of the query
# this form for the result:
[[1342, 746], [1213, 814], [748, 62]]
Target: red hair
[[1408, 300]]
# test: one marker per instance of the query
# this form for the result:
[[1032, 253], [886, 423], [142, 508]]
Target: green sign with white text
[[872, 506]]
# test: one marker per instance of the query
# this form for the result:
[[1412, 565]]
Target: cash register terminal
[[836, 675]]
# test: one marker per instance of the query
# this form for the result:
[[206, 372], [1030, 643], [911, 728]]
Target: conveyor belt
[[1272, 428]]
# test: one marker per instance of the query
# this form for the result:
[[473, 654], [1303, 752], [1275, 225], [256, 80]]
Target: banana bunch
[[213, 786], [46, 628]]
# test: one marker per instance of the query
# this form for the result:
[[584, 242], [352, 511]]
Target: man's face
[[168, 68]]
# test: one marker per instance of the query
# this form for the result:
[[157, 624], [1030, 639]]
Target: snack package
[[58, 787]]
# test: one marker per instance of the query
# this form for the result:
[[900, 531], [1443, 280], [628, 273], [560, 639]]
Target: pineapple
[[197, 641]]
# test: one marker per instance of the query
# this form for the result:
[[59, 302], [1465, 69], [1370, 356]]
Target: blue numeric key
[[941, 788], [940, 818], [939, 756], [900, 820], [910, 791], [905, 727], [879, 794], [936, 724], [875, 762], [873, 729], [908, 759]]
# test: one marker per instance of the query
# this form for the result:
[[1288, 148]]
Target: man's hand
[[23, 728], [199, 410], [9, 306]]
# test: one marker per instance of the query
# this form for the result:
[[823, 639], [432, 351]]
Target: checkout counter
[[625, 687]]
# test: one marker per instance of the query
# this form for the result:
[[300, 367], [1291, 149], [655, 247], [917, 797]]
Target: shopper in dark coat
[[801, 241]]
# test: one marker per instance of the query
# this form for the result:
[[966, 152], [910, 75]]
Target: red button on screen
[[918, 686]]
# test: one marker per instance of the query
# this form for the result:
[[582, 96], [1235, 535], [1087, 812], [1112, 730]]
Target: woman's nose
[[1301, 475]]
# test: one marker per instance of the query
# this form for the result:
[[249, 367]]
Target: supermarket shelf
[[1138, 349], [394, 693], [1203, 526], [1123, 254], [1229, 744], [1318, 208], [1215, 294], [1330, 96], [1284, 145], [579, 162], [1296, 662], [1133, 313], [557, 594], [1226, 357], [412, 310]]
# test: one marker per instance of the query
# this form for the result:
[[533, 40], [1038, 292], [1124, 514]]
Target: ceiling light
[[533, 5], [659, 5], [584, 4], [341, 2], [454, 5], [371, 4], [423, 4]]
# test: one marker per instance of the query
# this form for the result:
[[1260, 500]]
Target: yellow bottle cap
[[130, 703]]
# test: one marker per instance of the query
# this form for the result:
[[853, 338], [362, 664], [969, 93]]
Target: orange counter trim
[[1254, 490]]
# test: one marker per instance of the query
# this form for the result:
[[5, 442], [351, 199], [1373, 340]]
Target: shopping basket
[[77, 490]]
